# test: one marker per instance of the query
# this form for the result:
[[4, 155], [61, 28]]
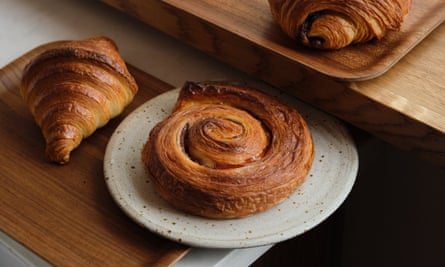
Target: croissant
[[227, 151], [334, 24], [74, 88]]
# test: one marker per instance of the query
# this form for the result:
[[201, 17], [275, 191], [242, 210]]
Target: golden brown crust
[[228, 151], [74, 88], [334, 24]]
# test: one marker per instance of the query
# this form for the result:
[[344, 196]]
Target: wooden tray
[[404, 106], [65, 213], [244, 34]]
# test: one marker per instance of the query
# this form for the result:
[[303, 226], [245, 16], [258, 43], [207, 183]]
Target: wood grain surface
[[231, 30], [403, 106], [65, 213]]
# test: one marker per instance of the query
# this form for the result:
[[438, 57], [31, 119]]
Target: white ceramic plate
[[329, 182]]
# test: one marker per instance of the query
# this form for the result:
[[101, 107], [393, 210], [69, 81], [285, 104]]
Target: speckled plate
[[329, 182]]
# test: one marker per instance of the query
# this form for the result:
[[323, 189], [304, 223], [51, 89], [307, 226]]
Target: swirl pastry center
[[225, 137]]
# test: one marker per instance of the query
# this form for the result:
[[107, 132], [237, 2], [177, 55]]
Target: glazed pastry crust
[[334, 24], [74, 88], [228, 151]]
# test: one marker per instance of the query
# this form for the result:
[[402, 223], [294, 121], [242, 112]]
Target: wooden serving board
[[65, 214], [244, 34]]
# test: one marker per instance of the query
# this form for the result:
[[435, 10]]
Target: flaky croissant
[[228, 151], [334, 24], [74, 88]]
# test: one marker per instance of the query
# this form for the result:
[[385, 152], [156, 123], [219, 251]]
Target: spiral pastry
[[334, 24], [227, 151]]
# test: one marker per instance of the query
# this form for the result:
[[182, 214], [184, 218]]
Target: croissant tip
[[59, 159], [59, 151]]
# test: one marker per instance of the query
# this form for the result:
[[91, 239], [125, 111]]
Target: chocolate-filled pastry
[[73, 88], [228, 151], [334, 24]]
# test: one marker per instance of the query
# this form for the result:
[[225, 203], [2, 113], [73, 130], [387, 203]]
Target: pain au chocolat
[[73, 88], [334, 24], [228, 151]]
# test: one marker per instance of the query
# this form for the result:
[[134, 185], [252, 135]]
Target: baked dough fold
[[228, 151], [73, 88], [334, 24]]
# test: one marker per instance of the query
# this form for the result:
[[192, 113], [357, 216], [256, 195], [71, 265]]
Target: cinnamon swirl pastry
[[228, 151], [334, 24]]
